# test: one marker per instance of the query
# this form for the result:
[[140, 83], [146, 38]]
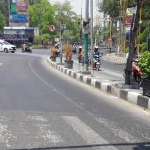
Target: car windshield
[[6, 43]]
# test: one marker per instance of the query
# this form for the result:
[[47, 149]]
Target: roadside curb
[[115, 59], [106, 87]]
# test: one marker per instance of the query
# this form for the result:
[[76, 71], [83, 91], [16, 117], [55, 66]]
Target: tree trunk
[[133, 34]]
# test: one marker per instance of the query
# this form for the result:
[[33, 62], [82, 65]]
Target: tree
[[4, 10], [42, 15], [71, 20], [2, 23], [133, 34]]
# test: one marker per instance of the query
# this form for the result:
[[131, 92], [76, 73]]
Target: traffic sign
[[109, 39], [52, 28]]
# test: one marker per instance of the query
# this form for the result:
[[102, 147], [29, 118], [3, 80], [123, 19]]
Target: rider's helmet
[[56, 45]]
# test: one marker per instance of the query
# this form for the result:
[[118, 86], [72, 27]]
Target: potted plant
[[68, 56], [144, 65], [53, 51]]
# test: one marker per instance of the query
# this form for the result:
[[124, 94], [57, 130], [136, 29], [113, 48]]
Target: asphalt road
[[105, 64], [109, 70], [43, 109]]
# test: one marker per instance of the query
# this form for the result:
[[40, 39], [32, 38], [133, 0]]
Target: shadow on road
[[136, 146]]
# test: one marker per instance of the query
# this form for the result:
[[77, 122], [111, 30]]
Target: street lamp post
[[61, 30], [86, 32]]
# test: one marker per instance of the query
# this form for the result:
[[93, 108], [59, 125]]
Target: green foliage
[[2, 23], [37, 40], [4, 10], [46, 38], [144, 63], [127, 50], [144, 35], [144, 47], [112, 7]]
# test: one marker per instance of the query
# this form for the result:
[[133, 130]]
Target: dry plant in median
[[53, 51], [68, 52]]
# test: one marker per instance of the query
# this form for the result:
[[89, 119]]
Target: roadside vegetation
[[42, 14]]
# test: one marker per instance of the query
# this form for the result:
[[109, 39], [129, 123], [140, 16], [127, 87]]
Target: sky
[[76, 4]]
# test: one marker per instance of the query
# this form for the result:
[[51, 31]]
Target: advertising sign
[[36, 31], [129, 19], [19, 12]]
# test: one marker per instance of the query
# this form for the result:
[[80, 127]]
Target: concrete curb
[[124, 94]]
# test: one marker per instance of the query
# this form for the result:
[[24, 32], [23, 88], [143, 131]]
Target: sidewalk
[[115, 58], [113, 87]]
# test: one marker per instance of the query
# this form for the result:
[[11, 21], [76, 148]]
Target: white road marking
[[5, 135], [88, 134], [47, 135], [117, 131], [1, 64], [37, 118]]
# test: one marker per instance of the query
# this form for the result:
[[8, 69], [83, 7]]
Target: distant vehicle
[[6, 47], [26, 48]]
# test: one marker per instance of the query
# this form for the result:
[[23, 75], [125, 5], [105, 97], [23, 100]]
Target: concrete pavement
[[101, 80]]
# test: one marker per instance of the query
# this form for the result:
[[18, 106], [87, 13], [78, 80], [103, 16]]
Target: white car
[[6, 47]]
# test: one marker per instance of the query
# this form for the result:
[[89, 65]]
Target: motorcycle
[[96, 62], [58, 53], [27, 49], [138, 78]]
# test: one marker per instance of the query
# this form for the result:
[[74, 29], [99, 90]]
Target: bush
[[144, 63], [144, 47], [144, 35]]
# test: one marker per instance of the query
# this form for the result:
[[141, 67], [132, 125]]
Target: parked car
[[6, 47]]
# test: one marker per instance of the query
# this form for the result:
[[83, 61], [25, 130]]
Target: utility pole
[[60, 36], [91, 4], [86, 32], [110, 30]]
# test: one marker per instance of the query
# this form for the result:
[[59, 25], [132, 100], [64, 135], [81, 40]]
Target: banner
[[19, 13]]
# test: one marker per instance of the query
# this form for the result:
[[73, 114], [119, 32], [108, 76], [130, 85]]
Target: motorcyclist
[[57, 48], [80, 54], [135, 69], [74, 48], [95, 50], [80, 49], [25, 46]]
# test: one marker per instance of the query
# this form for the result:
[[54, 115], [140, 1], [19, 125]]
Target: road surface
[[43, 109]]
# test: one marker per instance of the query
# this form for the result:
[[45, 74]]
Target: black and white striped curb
[[109, 88], [116, 60]]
